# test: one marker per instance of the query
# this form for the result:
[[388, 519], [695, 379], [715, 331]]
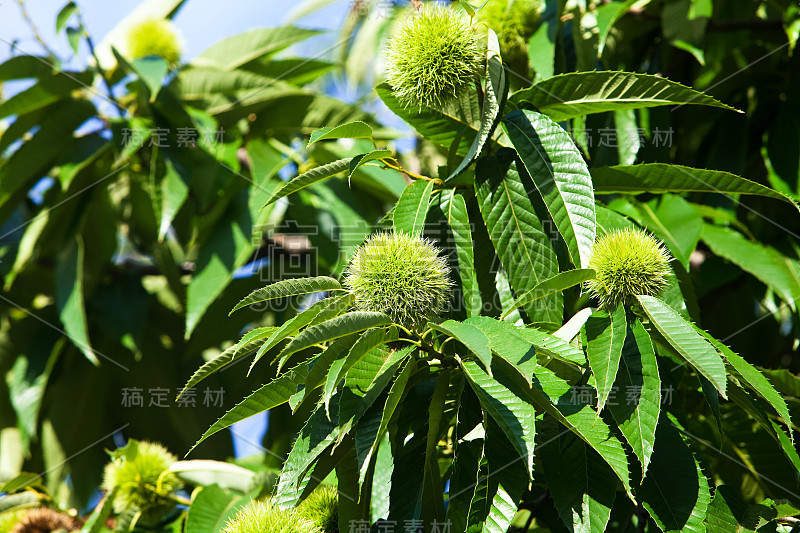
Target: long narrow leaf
[[273, 394], [655, 178], [335, 328], [638, 405], [581, 93], [515, 230], [309, 178], [605, 335], [686, 341], [513, 415], [412, 208], [557, 168], [493, 99], [289, 287]]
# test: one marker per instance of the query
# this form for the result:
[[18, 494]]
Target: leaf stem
[[396, 166]]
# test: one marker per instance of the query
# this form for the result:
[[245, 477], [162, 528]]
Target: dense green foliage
[[522, 403]]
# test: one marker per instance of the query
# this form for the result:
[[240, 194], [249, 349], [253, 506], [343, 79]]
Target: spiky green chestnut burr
[[627, 263], [401, 275], [322, 509], [264, 517], [434, 55], [154, 37], [140, 474], [514, 21]]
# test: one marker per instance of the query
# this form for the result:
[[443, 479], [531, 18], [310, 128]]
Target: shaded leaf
[[755, 380], [675, 491], [637, 412], [516, 232], [765, 263], [70, 299], [583, 486]]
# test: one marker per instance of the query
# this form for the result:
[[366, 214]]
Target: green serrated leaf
[[514, 344], [367, 445], [471, 337], [275, 393], [310, 177], [686, 341], [412, 208], [583, 486], [516, 232], [514, 415], [557, 168], [754, 380], [335, 328], [227, 357], [655, 178], [557, 283], [318, 313], [252, 337], [369, 340], [574, 94], [675, 491], [289, 287], [318, 433], [352, 130], [454, 209], [494, 97], [439, 127], [553, 395], [605, 335], [636, 412]]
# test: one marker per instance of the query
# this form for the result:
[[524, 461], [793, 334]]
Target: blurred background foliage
[[125, 238]]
